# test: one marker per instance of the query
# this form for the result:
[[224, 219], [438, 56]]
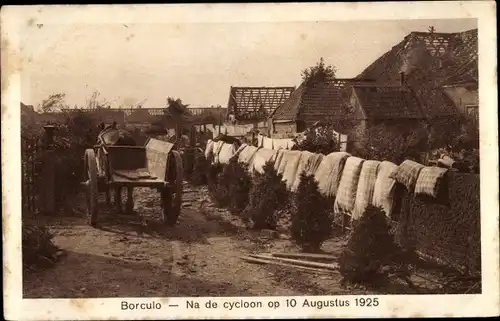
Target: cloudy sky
[[197, 62]]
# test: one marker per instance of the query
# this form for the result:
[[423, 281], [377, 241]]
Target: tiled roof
[[317, 102], [387, 102], [429, 61]]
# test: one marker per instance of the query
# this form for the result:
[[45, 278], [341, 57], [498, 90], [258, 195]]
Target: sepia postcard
[[251, 160]]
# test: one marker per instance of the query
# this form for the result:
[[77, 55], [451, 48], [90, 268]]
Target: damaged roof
[[429, 62], [256, 100]]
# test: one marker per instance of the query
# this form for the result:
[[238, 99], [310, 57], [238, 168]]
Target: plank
[[312, 256], [277, 263], [332, 267]]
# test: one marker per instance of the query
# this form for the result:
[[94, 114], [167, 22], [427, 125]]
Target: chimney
[[402, 81]]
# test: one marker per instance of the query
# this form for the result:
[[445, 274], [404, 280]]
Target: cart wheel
[[90, 176], [172, 196]]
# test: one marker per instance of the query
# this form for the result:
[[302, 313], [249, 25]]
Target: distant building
[[350, 105], [426, 77], [255, 104]]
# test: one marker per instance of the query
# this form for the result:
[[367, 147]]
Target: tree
[[54, 102], [319, 73], [268, 195], [95, 102], [311, 219]]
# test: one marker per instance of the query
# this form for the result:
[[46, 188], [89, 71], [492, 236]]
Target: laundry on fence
[[407, 174], [216, 151], [366, 186], [346, 193], [236, 154], [260, 158], [383, 193], [225, 153], [267, 143], [260, 140], [288, 164], [308, 163], [283, 143], [247, 154], [329, 172], [209, 150], [429, 181]]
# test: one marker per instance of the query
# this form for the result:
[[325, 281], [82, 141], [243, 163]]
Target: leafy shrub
[[268, 196], [38, 249], [393, 143], [369, 248], [318, 140], [200, 170], [238, 183], [216, 187], [311, 220]]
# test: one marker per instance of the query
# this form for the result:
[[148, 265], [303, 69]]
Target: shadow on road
[[75, 277]]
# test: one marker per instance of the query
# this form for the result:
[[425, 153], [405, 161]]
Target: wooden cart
[[111, 165]]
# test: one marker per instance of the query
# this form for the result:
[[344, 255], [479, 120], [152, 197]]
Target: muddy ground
[[131, 256]]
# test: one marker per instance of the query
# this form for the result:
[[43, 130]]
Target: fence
[[30, 169]]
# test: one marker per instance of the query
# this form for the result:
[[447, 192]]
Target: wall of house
[[284, 128], [462, 97]]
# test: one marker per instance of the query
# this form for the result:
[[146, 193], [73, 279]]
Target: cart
[[112, 165]]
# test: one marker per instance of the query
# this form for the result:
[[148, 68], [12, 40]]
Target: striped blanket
[[329, 173], [407, 174], [366, 186], [308, 163], [346, 193], [383, 194], [429, 181]]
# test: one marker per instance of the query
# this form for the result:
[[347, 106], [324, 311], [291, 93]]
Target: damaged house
[[426, 78], [441, 68], [254, 104]]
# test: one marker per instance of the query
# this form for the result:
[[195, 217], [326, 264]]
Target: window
[[472, 111]]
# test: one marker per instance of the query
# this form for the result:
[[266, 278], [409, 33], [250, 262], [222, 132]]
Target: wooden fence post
[[48, 205]]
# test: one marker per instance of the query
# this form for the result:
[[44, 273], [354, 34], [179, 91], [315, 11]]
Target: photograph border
[[12, 17]]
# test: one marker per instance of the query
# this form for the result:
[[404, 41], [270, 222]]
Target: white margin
[[16, 308]]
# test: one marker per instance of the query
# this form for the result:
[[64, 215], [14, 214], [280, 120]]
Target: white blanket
[[247, 155], [226, 152], [260, 158], [260, 140], [288, 166], [267, 143], [209, 150], [383, 192]]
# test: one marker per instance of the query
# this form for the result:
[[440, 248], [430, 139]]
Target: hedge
[[447, 229]]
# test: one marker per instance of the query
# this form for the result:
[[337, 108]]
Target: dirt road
[[130, 256]]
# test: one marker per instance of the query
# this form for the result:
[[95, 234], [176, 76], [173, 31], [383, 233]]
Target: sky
[[198, 62]]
